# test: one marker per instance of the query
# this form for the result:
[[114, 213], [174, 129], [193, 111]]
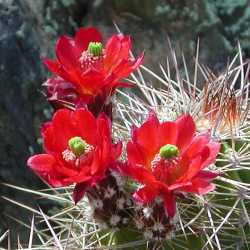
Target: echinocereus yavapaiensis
[[89, 69], [78, 150], [168, 159]]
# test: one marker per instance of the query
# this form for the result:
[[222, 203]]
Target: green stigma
[[95, 48], [77, 145], [168, 151]]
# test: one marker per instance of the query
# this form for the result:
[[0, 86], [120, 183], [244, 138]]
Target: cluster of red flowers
[[166, 159]]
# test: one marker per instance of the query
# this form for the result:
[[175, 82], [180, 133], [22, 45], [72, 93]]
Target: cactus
[[107, 218]]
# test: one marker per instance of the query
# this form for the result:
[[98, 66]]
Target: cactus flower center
[[169, 151], [77, 145], [95, 48]]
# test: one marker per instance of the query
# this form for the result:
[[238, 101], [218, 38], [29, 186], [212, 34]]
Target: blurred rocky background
[[29, 29]]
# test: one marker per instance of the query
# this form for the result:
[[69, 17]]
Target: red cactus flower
[[169, 158], [78, 150], [91, 69]]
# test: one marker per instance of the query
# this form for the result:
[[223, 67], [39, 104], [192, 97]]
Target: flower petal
[[53, 66], [168, 133], [207, 175], [45, 165], [199, 186], [189, 170], [137, 173], [196, 146], [170, 205], [67, 53], [146, 194], [104, 126], [186, 130], [147, 137], [41, 162], [63, 129], [116, 49], [91, 82], [214, 149], [86, 125], [48, 138], [56, 68], [125, 67], [135, 154], [179, 185], [101, 158], [83, 176], [79, 191]]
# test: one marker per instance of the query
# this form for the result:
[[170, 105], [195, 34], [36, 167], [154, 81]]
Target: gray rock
[[20, 76]]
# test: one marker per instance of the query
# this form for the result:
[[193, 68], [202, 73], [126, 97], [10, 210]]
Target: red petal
[[66, 172], [170, 205], [67, 53], [48, 138], [214, 149], [197, 157], [45, 166], [104, 126], [86, 125], [124, 46], [53, 66], [135, 154], [57, 69], [54, 181], [146, 194], [83, 176], [137, 173], [167, 133], [194, 166], [199, 186], [179, 185], [86, 35], [186, 130], [41, 162], [125, 67], [207, 175], [104, 157], [147, 137], [79, 191], [63, 129], [44, 127], [116, 49], [92, 82], [196, 146]]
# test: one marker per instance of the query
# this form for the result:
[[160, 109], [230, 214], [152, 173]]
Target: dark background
[[29, 29]]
